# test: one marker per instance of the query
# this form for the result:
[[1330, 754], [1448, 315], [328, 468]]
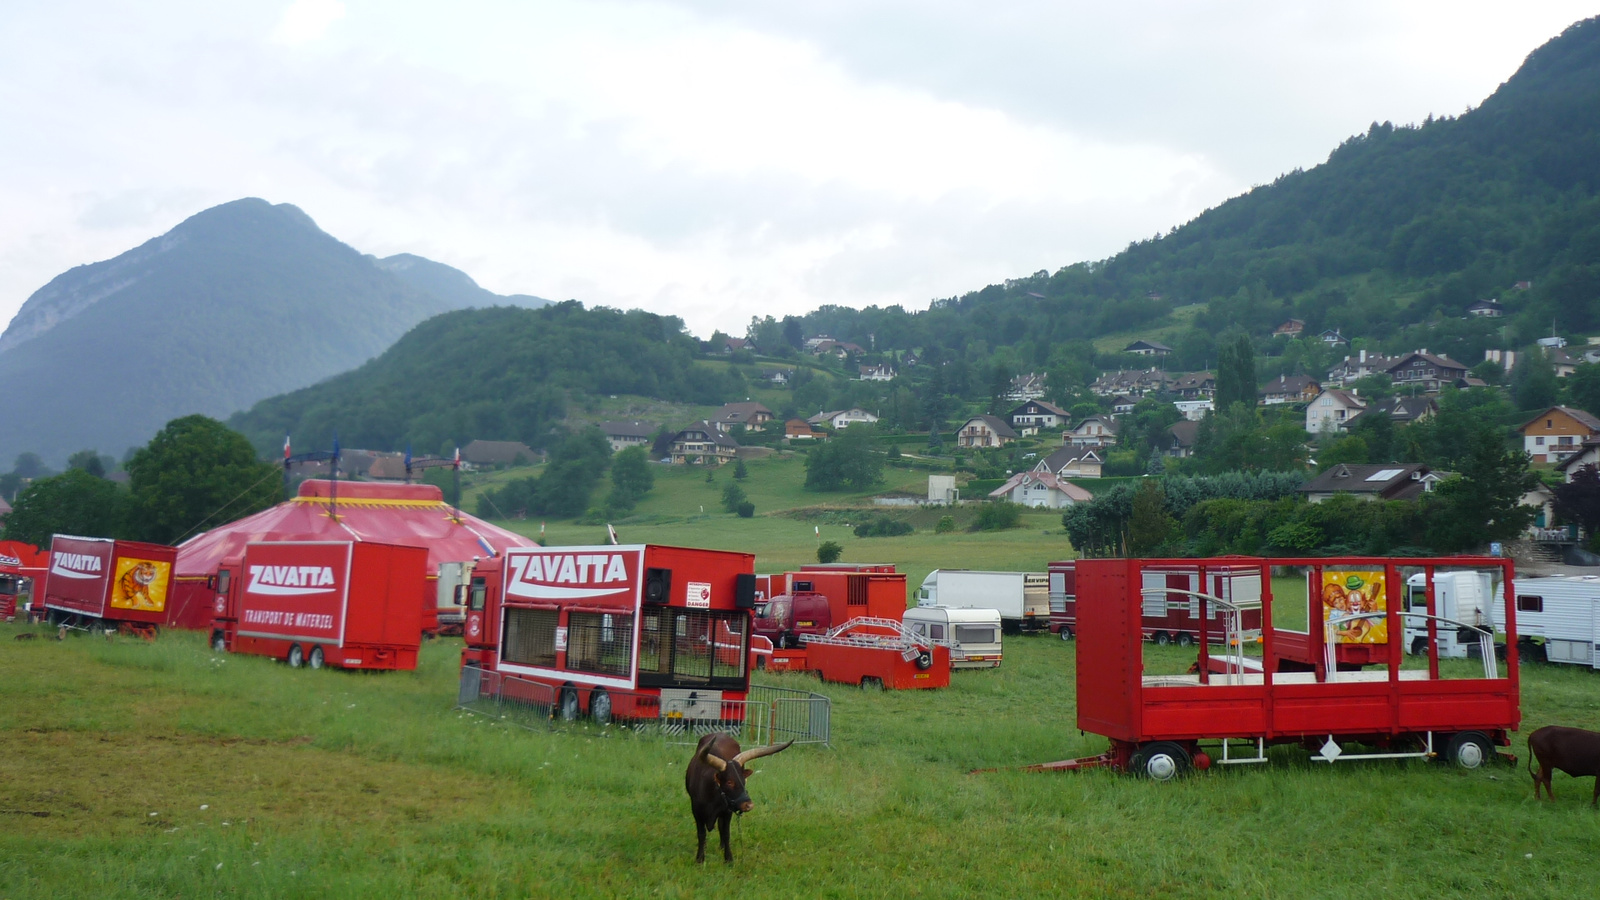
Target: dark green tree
[[88, 460], [844, 463], [30, 465], [1236, 372], [1533, 382], [739, 470], [74, 502], [196, 473], [1583, 388], [732, 496], [1484, 503], [1578, 500], [631, 479], [1150, 525], [829, 552]]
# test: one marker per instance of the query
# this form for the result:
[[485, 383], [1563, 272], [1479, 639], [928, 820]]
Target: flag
[[408, 456], [541, 529], [818, 529], [457, 463], [286, 447], [336, 446], [612, 533]]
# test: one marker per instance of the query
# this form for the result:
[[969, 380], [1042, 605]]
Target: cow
[[715, 782], [1572, 750]]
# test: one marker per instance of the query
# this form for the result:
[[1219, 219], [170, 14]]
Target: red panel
[[1109, 658], [1203, 712], [80, 572], [597, 577], [295, 591]]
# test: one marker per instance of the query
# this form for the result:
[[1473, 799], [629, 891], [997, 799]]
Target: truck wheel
[[1469, 750], [1161, 761], [569, 705], [600, 707], [1163, 639], [297, 657], [219, 642], [1066, 632], [315, 659], [1184, 640], [1419, 646]]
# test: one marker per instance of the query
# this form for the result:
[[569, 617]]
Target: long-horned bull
[[715, 782], [1572, 750]]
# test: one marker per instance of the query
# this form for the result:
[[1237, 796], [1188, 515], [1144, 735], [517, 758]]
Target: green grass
[[344, 785]]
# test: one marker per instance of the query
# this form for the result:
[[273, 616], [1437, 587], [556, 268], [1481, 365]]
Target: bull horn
[[759, 752], [716, 761]]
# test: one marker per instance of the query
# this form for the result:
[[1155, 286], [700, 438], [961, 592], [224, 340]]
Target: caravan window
[[1530, 603], [975, 634], [936, 631]]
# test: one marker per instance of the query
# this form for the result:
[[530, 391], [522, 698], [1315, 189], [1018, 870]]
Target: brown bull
[[715, 782], [1572, 750]]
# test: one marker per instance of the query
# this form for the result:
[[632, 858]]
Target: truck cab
[[1464, 597]]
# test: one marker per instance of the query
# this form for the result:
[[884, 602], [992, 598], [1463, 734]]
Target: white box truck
[[973, 635], [1022, 598], [1563, 611]]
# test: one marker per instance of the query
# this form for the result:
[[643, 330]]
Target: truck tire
[[219, 642], [1160, 761], [567, 705], [600, 707], [296, 657], [1469, 750], [1066, 632], [1419, 646], [1162, 638], [1185, 640], [314, 660]]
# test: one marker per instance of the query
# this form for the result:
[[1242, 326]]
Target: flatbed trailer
[[1232, 705]]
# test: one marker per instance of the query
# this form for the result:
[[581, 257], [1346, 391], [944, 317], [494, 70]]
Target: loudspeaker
[[802, 587], [744, 591], [657, 586]]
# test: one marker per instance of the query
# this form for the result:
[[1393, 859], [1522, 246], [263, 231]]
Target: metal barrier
[[770, 715]]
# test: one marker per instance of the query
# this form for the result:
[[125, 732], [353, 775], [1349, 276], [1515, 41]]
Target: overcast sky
[[710, 159]]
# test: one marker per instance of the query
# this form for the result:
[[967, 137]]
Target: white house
[[1041, 489], [1038, 414], [985, 431], [843, 418], [1092, 432], [1331, 409]]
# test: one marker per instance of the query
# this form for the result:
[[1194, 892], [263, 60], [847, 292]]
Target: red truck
[[107, 583], [613, 632], [873, 652], [824, 596], [348, 604], [1245, 696], [1166, 618]]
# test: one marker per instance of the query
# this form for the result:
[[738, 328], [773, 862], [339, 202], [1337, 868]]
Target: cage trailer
[[98, 582], [613, 632], [1229, 707], [346, 604]]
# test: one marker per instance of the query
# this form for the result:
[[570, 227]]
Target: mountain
[[449, 284], [240, 302]]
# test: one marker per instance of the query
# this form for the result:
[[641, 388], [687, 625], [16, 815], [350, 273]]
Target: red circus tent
[[411, 514]]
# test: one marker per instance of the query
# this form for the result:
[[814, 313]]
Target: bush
[[732, 496], [997, 516], [883, 527], [829, 552], [946, 525], [746, 509]]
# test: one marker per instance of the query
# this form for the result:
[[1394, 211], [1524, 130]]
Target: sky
[[709, 159]]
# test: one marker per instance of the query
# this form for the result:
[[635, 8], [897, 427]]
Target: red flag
[[286, 446], [457, 464]]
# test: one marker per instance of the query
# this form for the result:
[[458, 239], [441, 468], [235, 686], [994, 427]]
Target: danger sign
[[699, 595]]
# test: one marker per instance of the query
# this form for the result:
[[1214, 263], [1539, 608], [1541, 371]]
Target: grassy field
[[135, 769]]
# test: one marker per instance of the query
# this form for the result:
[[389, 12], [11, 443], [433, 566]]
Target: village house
[[1182, 437], [1359, 366], [1070, 462], [777, 377], [1194, 410], [1505, 359], [753, 416], [1026, 387], [1040, 489], [1093, 432], [1331, 410], [1557, 433], [1290, 389], [800, 430], [1192, 385], [1563, 364], [1425, 370], [1289, 329], [843, 418], [1487, 309], [1400, 410], [1038, 414], [623, 435], [985, 431], [1134, 383], [1393, 481], [839, 349], [1588, 454], [883, 372], [1334, 338], [1148, 348], [702, 444]]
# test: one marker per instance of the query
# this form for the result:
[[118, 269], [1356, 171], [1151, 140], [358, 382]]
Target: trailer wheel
[[1419, 646], [296, 657], [315, 659], [1163, 639], [600, 707], [1161, 761], [1066, 632], [1185, 640], [219, 642], [569, 705], [1469, 750]]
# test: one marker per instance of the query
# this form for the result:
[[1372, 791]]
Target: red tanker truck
[[348, 604]]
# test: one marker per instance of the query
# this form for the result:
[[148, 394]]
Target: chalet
[[1486, 309], [985, 431], [623, 435], [1040, 489], [884, 372], [777, 377], [800, 430], [1183, 436], [1425, 370], [1392, 481], [1093, 432], [1359, 366], [1331, 410], [702, 444], [1290, 389], [1468, 383], [1563, 364], [1588, 454], [1400, 410], [1557, 433], [840, 349], [753, 416], [1025, 387], [843, 418], [1289, 329], [812, 343], [1148, 348], [498, 453], [1134, 383], [1334, 338], [1038, 414], [1192, 385], [1070, 462]]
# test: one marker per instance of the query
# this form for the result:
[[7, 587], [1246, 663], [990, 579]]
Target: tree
[[631, 479], [844, 463], [29, 465], [1150, 526], [577, 463], [1533, 382], [739, 470], [1485, 502], [1236, 372], [829, 552], [1583, 387], [1578, 500], [89, 461], [74, 502], [732, 496], [196, 473]]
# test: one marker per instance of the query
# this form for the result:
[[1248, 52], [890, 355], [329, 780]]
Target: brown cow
[[1572, 750], [715, 782]]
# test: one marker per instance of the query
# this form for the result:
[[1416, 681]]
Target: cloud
[[307, 20]]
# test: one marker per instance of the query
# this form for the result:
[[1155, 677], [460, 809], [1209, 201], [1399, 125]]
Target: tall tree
[[196, 473], [1236, 372], [844, 463], [74, 502]]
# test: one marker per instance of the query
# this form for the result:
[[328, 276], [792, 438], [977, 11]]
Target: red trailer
[[632, 632], [1238, 701], [853, 590], [106, 583], [348, 604], [878, 652], [1167, 618]]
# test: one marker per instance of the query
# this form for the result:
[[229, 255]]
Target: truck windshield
[[694, 648]]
